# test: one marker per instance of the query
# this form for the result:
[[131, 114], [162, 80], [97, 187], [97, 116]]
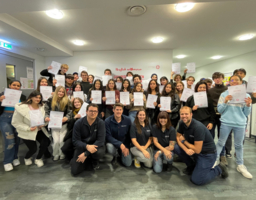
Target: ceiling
[[210, 28]]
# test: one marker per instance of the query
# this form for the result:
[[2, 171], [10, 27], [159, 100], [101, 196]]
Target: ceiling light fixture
[[55, 14], [216, 57], [157, 39], [181, 56], [246, 37], [79, 42], [184, 7], [4, 41]]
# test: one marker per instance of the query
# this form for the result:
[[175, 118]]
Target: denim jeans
[[203, 171], [132, 115], [11, 138], [238, 139], [127, 161], [158, 164]]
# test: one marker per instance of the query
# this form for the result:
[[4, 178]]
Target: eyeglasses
[[92, 111]]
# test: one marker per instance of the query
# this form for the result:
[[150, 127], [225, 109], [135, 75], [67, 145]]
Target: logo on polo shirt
[[123, 125], [148, 130], [191, 135], [167, 136], [95, 130]]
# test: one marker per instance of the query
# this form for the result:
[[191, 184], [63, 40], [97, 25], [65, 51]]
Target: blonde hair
[[64, 66], [64, 101]]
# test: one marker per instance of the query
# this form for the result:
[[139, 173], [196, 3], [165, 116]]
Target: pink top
[[31, 108]]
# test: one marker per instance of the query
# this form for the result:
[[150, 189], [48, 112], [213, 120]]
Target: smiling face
[[61, 93], [125, 84], [168, 88], [36, 99], [76, 77], [97, 85], [77, 104], [92, 112], [64, 70], [201, 88], [154, 77], [241, 74], [138, 87], [111, 85], [218, 80], [179, 87], [190, 81], [185, 115], [136, 80], [43, 82], [15, 85], [164, 81], [163, 121], [84, 76], [118, 111], [78, 88], [235, 80], [141, 116], [90, 79]]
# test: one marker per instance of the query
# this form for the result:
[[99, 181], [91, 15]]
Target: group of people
[[148, 136]]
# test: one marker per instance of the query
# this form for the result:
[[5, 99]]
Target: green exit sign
[[5, 45]]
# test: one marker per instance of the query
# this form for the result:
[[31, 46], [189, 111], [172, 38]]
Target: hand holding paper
[[55, 67], [11, 97]]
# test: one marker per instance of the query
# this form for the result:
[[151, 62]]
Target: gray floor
[[53, 181]]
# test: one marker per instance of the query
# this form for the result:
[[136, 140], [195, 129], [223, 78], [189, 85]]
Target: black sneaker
[[224, 170], [114, 161], [188, 170], [228, 155], [169, 167], [95, 164]]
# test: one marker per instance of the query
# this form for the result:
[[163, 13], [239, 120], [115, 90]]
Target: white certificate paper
[[82, 68], [24, 83], [56, 119], [36, 118], [30, 73], [165, 103], [11, 97], [238, 93], [46, 91], [111, 97], [55, 67], [150, 101], [176, 68], [118, 86], [125, 98], [105, 79], [130, 79], [97, 96], [161, 88], [145, 84], [79, 94], [191, 67], [251, 85], [82, 110], [138, 98], [186, 94], [60, 80], [200, 99]]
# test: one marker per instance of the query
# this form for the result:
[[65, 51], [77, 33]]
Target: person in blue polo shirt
[[118, 136]]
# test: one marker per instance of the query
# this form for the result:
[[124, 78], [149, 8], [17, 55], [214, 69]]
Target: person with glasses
[[69, 84]]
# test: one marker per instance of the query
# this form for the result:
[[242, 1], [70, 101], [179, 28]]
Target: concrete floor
[[54, 181]]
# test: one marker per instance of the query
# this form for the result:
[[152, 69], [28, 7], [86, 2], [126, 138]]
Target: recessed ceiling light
[[216, 57], [181, 56], [4, 41], [40, 49], [55, 13], [246, 37], [79, 42], [184, 7], [157, 39]]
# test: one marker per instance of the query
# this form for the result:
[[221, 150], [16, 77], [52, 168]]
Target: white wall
[[246, 61], [96, 61]]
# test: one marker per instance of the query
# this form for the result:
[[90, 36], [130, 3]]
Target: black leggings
[[32, 146]]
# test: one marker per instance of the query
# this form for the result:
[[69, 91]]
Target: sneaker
[[16, 162], [28, 161], [47, 154], [39, 162], [62, 157], [56, 158], [114, 162], [95, 164], [228, 155], [224, 170], [8, 167], [188, 170], [224, 160], [136, 163], [243, 170], [169, 167]]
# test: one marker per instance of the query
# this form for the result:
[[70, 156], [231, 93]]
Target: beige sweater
[[131, 107]]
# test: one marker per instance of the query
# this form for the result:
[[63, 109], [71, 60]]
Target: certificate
[[186, 85], [82, 110], [56, 119], [24, 83], [55, 67], [251, 85], [111, 97], [60, 80], [138, 98], [151, 100], [238, 93], [12, 97], [79, 94], [36, 118], [130, 79], [30, 73], [96, 95], [165, 103], [200, 99], [125, 98], [46, 92], [118, 86], [191, 67], [105, 79], [186, 94], [96, 78], [161, 88], [82, 68], [145, 84], [176, 68]]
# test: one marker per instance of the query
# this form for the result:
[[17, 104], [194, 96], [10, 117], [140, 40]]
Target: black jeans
[[175, 122], [68, 149], [44, 142]]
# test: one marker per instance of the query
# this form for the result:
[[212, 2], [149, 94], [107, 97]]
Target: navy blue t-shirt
[[142, 138]]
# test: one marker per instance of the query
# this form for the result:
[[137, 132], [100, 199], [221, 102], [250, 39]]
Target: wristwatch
[[183, 141], [160, 151]]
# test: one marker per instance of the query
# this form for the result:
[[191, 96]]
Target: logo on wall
[[157, 67]]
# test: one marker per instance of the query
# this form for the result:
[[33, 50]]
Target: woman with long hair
[[42, 81], [179, 90], [190, 82], [126, 86], [77, 87]]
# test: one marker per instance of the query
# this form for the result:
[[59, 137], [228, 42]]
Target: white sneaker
[[39, 162], [8, 167], [243, 170], [28, 161], [56, 158], [16, 162], [62, 157]]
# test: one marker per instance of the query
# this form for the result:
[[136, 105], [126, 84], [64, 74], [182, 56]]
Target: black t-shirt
[[165, 137], [142, 138], [197, 132]]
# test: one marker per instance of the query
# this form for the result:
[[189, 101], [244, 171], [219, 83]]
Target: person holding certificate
[[203, 115], [126, 87], [141, 136], [85, 83], [44, 82], [91, 79], [10, 135], [30, 128], [136, 79], [163, 80], [133, 109], [101, 107], [179, 90], [178, 78], [169, 91], [69, 84], [190, 82], [234, 117], [77, 87], [59, 102], [111, 86]]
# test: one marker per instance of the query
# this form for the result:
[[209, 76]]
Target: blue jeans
[[11, 139], [127, 161], [238, 139], [203, 171], [132, 115], [158, 164]]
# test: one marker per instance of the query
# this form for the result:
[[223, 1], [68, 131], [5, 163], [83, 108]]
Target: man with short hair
[[107, 72], [85, 83], [69, 80], [118, 135], [195, 140], [76, 77], [136, 79], [88, 138]]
